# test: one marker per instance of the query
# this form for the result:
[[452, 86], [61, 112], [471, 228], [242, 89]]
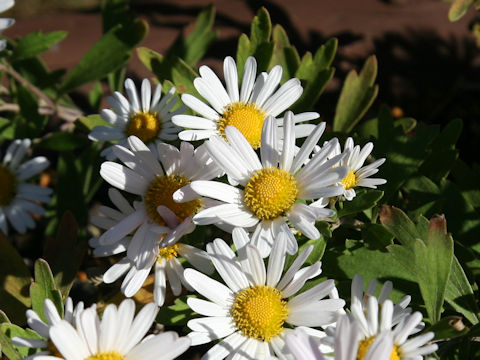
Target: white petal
[[208, 287]]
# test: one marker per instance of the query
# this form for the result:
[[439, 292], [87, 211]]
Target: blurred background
[[429, 67]]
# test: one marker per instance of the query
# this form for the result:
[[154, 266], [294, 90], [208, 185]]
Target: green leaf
[[115, 12], [467, 179], [361, 202], [7, 129], [458, 9], [32, 123], [63, 141], [65, 254], [177, 314], [15, 279], [261, 28], [399, 224], [192, 48], [430, 264], [36, 43], [376, 237], [357, 95], [87, 123], [12, 330], [43, 288], [109, 54], [95, 95], [6, 345], [459, 294], [284, 54]]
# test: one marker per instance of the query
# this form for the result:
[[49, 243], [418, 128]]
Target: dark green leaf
[[361, 202], [16, 279], [63, 141], [284, 54], [376, 237], [177, 314], [87, 123], [36, 43], [110, 53], [95, 95], [12, 330], [6, 345], [446, 328], [115, 12], [358, 93], [65, 254]]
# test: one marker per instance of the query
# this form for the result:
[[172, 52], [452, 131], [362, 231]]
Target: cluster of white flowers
[[249, 178]]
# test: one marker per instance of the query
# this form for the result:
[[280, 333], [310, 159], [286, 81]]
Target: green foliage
[[177, 314], [364, 201], [358, 93], [459, 8], [15, 279], [110, 53], [36, 43], [427, 255], [43, 288]]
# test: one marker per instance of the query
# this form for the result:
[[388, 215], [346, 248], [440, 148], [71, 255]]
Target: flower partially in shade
[[156, 221], [19, 199], [4, 22], [273, 189], [119, 335], [147, 117], [251, 311], [42, 328], [358, 175], [245, 108]]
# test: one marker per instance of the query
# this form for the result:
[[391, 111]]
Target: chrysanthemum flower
[[5, 22], [148, 118], [250, 313], [246, 109], [42, 328], [273, 189], [358, 175], [119, 335], [19, 199], [157, 221], [347, 335]]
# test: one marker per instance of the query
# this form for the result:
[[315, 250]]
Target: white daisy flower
[[148, 118], [347, 336], [19, 199], [157, 221], [245, 108], [249, 313], [42, 328], [358, 175], [273, 189], [372, 325], [167, 267], [119, 335], [359, 298], [4, 22]]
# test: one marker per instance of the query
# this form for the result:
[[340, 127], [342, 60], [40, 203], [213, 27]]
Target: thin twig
[[63, 112], [39, 93]]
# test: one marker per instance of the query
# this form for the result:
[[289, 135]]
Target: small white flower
[[156, 221], [358, 175], [245, 108], [19, 199], [119, 335], [42, 328], [148, 118], [4, 22], [251, 311], [273, 189]]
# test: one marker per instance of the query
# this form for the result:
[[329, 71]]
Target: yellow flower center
[[247, 118], [109, 355], [8, 185], [350, 180], [160, 192], [364, 345], [259, 312], [168, 252], [145, 126], [270, 193]]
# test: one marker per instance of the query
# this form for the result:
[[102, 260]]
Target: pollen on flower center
[[259, 312], [160, 192], [364, 345], [8, 185], [168, 252], [109, 355], [270, 193], [247, 118], [144, 125], [350, 180]]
